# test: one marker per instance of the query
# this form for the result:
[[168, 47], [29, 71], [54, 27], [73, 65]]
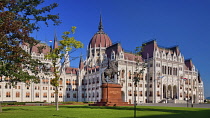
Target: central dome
[[100, 39]]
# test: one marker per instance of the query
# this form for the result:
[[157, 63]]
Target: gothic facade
[[168, 77]]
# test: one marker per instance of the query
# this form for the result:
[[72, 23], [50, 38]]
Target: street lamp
[[136, 80]]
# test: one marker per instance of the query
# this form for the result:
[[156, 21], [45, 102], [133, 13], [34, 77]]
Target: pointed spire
[[100, 27], [55, 45], [81, 63]]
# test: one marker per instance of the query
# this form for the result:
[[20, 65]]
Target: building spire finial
[[100, 27], [55, 45]]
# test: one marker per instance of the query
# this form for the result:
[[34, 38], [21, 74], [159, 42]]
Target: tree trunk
[[56, 98]]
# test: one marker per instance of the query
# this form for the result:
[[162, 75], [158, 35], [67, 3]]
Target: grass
[[84, 111]]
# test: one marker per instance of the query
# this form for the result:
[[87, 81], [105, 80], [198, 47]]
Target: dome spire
[[100, 27]]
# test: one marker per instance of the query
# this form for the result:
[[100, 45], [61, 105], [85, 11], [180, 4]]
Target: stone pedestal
[[111, 96]]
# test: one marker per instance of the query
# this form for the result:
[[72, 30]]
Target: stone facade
[[168, 77]]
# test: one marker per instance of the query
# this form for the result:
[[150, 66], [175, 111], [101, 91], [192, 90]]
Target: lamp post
[[187, 95], [136, 80]]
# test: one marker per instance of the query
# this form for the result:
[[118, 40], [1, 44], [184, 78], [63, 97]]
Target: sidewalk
[[175, 105]]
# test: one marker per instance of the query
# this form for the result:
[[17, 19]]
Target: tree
[[58, 54], [19, 18], [138, 74]]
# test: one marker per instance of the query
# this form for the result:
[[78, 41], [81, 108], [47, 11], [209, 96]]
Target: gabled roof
[[175, 49], [189, 64], [116, 48], [151, 46], [148, 49]]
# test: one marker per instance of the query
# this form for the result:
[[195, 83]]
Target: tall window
[[61, 81], [68, 95], [45, 95], [37, 95], [75, 95], [122, 73], [8, 94], [97, 94], [158, 93], [129, 74], [129, 93], [163, 69], [27, 94], [17, 94], [140, 93], [52, 95], [60, 95], [121, 55], [150, 93], [113, 55]]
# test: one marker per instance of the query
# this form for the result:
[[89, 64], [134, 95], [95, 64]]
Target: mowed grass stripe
[[84, 111]]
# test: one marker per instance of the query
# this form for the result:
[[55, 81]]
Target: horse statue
[[110, 72]]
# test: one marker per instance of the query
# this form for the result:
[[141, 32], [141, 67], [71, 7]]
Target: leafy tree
[[138, 74], [58, 54], [19, 18]]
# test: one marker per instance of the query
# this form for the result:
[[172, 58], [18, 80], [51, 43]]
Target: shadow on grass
[[170, 112], [16, 109]]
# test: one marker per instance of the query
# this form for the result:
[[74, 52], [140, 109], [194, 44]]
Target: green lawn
[[84, 111]]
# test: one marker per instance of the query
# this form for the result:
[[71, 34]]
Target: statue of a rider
[[110, 73]]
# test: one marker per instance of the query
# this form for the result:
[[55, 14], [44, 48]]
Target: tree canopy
[[18, 19], [60, 55]]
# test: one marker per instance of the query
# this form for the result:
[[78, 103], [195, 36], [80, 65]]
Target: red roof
[[132, 57], [70, 70], [35, 48], [100, 39]]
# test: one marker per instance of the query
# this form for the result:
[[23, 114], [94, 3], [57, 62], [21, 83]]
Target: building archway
[[174, 92], [164, 91], [169, 94], [194, 98]]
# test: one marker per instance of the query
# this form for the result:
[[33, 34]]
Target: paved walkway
[[176, 105]]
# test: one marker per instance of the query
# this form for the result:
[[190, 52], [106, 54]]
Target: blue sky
[[185, 23]]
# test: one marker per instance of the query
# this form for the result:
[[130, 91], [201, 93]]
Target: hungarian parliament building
[[167, 78]]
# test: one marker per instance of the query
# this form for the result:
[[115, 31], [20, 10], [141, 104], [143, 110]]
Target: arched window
[[97, 94], [45, 95], [27, 94], [37, 95], [122, 73], [129, 74], [112, 55], [121, 55], [8, 94], [68, 95], [17, 94], [52, 95]]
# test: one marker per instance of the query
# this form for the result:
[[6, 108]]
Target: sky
[[185, 23]]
